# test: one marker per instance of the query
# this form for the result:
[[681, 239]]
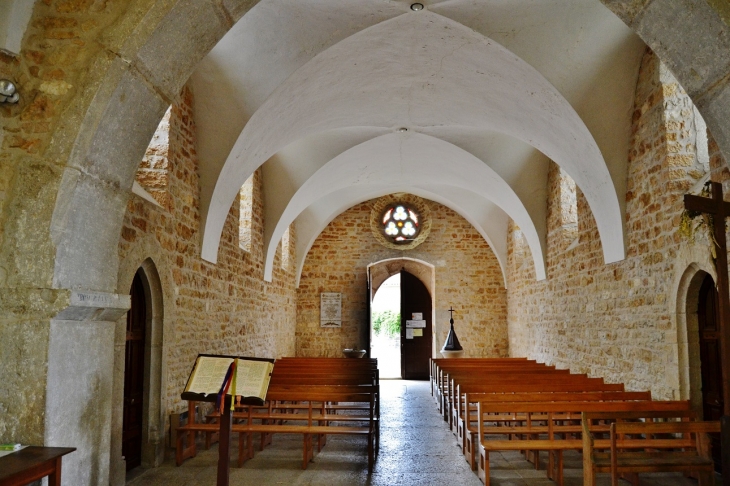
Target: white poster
[[415, 323], [330, 309]]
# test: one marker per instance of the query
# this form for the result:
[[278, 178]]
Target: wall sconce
[[8, 94]]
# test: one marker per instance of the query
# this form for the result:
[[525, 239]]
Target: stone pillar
[[80, 383]]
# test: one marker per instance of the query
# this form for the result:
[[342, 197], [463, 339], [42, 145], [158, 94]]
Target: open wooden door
[[134, 376], [710, 359], [415, 341]]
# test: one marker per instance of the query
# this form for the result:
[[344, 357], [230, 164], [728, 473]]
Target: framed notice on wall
[[330, 313]]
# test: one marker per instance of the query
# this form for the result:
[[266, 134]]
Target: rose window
[[400, 223]]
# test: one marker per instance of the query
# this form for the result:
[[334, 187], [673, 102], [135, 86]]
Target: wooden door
[[367, 325], [415, 350], [710, 359], [134, 376]]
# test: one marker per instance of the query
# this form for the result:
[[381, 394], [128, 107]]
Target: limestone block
[[124, 131], [626, 10], [86, 256], [193, 27], [714, 106], [698, 61], [23, 386], [95, 306], [27, 254], [238, 8], [78, 397]]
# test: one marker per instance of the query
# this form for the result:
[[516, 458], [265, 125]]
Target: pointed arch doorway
[[417, 283], [139, 374]]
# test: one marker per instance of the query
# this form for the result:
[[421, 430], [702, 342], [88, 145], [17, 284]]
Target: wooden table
[[33, 463]]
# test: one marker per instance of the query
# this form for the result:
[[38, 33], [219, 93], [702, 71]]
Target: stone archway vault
[[132, 80]]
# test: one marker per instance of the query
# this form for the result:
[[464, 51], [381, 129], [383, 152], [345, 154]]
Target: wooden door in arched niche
[[710, 360], [133, 413]]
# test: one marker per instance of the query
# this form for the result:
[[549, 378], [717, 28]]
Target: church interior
[[185, 177]]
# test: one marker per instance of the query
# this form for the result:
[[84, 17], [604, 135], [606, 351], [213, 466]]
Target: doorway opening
[[710, 361], [385, 328], [134, 367]]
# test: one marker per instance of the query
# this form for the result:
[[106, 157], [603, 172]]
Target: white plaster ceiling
[[316, 90]]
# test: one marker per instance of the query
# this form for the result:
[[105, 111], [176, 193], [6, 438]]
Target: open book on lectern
[[209, 372]]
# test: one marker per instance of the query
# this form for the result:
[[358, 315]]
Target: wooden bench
[[549, 426], [185, 446], [515, 374], [637, 446], [317, 421], [441, 367], [521, 382], [311, 419], [466, 421], [479, 373], [328, 371]]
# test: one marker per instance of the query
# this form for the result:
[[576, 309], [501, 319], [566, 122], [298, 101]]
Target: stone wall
[[619, 321], [225, 308], [468, 277], [50, 74]]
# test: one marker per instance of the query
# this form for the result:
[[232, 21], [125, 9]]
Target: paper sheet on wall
[[415, 323], [418, 332], [409, 333]]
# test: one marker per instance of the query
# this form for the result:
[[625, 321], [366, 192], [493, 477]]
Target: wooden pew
[[466, 423], [446, 374], [317, 420], [309, 390], [634, 447], [478, 374], [517, 380], [441, 366], [311, 419], [553, 423]]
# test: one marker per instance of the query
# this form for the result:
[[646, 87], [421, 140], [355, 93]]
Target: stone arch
[[127, 102], [693, 39], [154, 425], [134, 81], [688, 340], [130, 99], [381, 271]]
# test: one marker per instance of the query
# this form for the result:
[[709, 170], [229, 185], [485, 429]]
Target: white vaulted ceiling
[[489, 90]]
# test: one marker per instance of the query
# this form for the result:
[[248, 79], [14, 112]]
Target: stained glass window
[[400, 223]]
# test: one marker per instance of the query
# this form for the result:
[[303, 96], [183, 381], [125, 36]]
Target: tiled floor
[[416, 448]]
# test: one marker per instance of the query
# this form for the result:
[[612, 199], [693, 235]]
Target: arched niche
[[154, 415], [381, 271], [688, 339]]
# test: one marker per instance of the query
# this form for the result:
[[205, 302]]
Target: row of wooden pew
[[311, 397], [504, 404]]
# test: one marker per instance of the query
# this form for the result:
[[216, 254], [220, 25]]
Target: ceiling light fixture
[[416, 7], [402, 129]]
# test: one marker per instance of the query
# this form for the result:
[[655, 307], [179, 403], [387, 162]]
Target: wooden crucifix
[[719, 209]]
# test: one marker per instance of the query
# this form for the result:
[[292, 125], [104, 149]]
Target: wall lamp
[[8, 94]]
